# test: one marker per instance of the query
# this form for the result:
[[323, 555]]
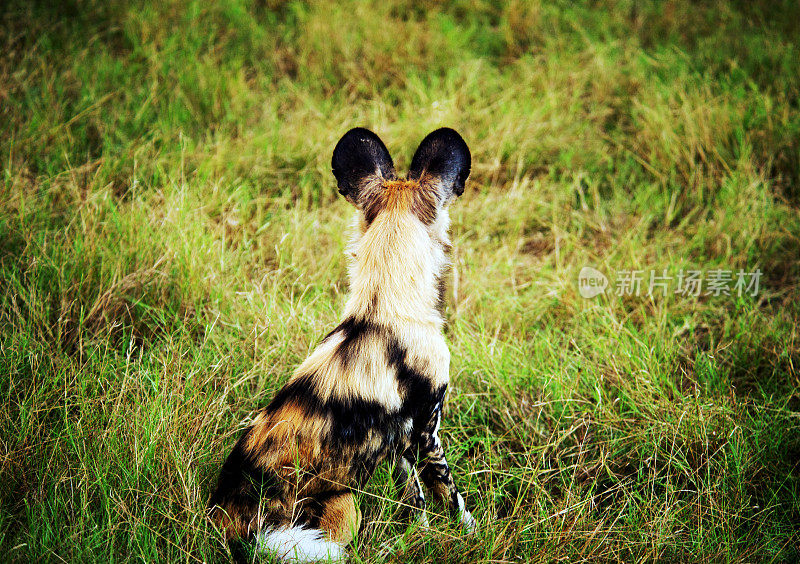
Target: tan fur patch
[[402, 196], [341, 518], [294, 437]]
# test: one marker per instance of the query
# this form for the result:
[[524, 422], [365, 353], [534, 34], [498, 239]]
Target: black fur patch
[[351, 419], [372, 208], [354, 418], [314, 507], [423, 205], [354, 331], [444, 157], [420, 396], [241, 483], [359, 155], [441, 294]]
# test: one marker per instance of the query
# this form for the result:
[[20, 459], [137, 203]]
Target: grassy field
[[171, 246]]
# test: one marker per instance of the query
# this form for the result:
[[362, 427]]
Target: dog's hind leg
[[324, 538]]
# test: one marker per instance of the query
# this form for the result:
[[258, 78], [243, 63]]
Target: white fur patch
[[467, 520], [295, 545]]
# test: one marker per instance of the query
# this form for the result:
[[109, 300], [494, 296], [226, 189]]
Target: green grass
[[171, 246]]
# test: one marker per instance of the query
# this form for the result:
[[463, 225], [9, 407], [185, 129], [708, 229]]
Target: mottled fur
[[372, 390]]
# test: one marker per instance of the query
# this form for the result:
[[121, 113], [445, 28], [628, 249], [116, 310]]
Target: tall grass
[[171, 246]]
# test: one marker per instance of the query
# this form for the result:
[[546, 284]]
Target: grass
[[171, 246]]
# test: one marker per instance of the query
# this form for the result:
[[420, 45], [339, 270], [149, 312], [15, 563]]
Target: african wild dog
[[372, 390]]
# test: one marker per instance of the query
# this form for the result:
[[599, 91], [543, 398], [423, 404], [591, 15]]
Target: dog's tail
[[299, 544]]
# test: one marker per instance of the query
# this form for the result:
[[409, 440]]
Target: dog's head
[[366, 176]]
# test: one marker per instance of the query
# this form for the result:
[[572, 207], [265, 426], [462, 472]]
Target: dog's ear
[[360, 157], [442, 158]]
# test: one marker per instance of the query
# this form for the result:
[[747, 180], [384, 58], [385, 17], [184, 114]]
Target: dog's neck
[[396, 269]]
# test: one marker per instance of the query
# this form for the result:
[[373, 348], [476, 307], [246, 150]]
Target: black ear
[[359, 155], [444, 156]]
